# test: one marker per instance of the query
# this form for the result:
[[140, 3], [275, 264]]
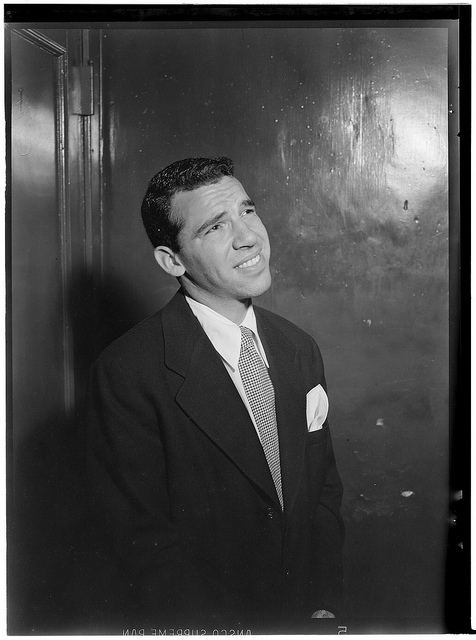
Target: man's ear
[[169, 261]]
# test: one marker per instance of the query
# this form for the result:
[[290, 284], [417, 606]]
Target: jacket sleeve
[[128, 489], [328, 539], [328, 532]]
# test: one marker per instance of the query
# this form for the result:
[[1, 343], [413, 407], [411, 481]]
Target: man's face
[[224, 246]]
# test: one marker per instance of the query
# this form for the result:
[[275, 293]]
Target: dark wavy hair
[[183, 175]]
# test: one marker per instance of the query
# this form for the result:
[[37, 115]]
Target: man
[[210, 455]]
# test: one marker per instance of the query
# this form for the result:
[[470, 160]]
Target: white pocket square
[[317, 406]]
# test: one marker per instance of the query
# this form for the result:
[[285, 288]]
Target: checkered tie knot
[[260, 393]]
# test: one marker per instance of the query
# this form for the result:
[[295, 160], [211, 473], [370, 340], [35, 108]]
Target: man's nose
[[243, 235]]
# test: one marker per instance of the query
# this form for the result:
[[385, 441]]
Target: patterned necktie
[[260, 393]]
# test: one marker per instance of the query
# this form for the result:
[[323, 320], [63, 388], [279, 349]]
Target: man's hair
[[183, 175]]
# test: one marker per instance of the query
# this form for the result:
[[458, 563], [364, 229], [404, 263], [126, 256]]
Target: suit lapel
[[290, 404], [209, 397]]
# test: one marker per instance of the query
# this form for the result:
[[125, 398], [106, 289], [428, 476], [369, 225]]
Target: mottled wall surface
[[340, 136]]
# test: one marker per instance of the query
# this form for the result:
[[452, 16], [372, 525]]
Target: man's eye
[[214, 228], [248, 211]]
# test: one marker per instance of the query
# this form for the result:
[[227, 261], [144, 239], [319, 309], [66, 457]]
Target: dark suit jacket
[[181, 484]]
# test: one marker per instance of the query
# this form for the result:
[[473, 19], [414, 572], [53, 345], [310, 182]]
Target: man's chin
[[258, 288]]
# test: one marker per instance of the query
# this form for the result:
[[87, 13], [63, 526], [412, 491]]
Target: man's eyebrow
[[210, 222]]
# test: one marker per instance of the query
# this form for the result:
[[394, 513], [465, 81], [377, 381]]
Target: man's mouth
[[249, 263]]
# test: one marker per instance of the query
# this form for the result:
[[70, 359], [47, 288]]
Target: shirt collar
[[224, 334]]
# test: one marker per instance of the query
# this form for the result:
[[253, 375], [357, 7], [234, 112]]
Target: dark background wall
[[340, 135]]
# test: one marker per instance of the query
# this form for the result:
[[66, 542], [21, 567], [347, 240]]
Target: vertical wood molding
[[92, 142], [93, 179], [60, 56]]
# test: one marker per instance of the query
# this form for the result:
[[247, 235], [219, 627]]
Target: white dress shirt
[[225, 336]]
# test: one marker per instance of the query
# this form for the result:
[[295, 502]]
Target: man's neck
[[234, 310]]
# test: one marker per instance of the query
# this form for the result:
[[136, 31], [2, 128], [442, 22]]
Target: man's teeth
[[249, 263]]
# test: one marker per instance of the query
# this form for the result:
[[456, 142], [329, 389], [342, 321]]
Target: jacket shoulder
[[137, 343], [297, 335], [144, 345]]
